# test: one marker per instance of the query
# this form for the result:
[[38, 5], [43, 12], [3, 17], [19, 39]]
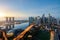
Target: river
[[19, 26]]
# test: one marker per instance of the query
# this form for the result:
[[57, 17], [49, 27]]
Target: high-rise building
[[54, 20], [58, 22], [31, 20], [37, 20], [50, 19], [9, 19], [12, 18], [6, 19], [43, 18]]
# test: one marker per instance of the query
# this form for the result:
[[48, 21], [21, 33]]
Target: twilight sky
[[26, 8]]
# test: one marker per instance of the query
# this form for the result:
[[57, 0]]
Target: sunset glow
[[2, 14]]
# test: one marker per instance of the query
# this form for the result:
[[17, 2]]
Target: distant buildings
[[58, 21], [35, 20], [44, 20], [49, 19], [31, 20], [9, 19]]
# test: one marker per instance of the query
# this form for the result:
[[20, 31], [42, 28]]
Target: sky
[[26, 8]]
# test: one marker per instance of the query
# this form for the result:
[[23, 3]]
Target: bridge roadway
[[21, 35]]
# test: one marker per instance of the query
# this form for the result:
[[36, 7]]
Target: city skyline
[[29, 19], [26, 8]]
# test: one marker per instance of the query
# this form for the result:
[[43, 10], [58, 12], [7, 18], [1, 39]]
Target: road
[[52, 33], [21, 35]]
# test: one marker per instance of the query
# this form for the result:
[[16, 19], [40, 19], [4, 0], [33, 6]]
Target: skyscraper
[[50, 19], [6, 19], [43, 18], [37, 20], [58, 20], [31, 20]]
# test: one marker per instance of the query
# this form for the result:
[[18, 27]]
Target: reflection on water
[[16, 26], [19, 26]]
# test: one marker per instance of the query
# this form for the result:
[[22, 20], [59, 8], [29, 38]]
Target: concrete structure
[[10, 20], [37, 20], [56, 36], [49, 19], [58, 22], [43, 18], [6, 19], [54, 20], [31, 20], [13, 19]]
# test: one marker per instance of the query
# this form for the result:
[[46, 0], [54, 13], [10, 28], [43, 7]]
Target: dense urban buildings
[[44, 20], [47, 23], [32, 28]]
